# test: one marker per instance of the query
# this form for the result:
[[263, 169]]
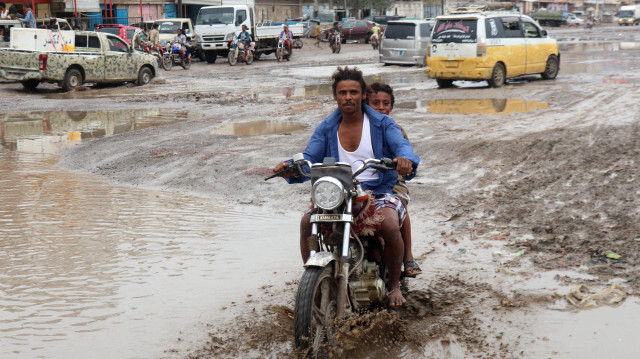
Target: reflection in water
[[53, 131], [93, 270], [264, 127], [467, 106]]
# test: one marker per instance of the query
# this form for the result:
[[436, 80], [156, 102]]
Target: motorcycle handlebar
[[384, 164]]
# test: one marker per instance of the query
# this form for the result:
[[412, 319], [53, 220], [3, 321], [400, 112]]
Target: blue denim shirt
[[29, 19], [386, 139]]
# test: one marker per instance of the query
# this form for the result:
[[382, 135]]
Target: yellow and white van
[[491, 46]]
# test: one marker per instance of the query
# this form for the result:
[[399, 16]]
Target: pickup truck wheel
[[444, 83], [211, 56], [30, 84], [552, 68], [257, 55], [498, 76], [144, 76], [72, 80]]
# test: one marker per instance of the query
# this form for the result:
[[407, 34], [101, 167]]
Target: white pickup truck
[[216, 26], [70, 58]]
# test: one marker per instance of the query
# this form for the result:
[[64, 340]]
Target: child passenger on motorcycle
[[288, 38], [380, 97]]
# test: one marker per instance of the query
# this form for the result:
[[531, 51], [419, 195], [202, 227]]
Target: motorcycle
[[374, 41], [147, 46], [242, 54], [337, 43], [172, 57], [344, 272], [281, 51], [589, 24]]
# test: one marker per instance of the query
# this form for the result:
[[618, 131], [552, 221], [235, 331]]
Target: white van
[[405, 42], [491, 46]]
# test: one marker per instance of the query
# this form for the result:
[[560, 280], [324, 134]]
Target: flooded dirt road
[[136, 222]]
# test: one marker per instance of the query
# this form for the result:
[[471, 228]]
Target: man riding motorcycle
[[333, 32], [375, 33], [184, 46], [288, 38], [353, 133], [244, 41]]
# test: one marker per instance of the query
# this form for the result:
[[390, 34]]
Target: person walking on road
[[318, 36]]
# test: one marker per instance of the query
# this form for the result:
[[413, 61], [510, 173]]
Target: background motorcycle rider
[[244, 41], [288, 38], [181, 40], [154, 36], [352, 133], [375, 33], [380, 97], [333, 32]]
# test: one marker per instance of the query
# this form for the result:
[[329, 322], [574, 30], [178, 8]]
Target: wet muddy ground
[[524, 193]]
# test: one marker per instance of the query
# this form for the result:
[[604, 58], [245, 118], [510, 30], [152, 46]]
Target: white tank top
[[363, 152]]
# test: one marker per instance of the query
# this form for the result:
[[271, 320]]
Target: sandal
[[411, 269]]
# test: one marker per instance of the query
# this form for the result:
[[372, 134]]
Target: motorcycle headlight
[[327, 193]]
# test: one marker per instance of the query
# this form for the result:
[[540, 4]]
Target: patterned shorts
[[390, 201]]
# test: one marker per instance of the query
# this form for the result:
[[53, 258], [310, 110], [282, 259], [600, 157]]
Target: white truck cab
[[217, 25]]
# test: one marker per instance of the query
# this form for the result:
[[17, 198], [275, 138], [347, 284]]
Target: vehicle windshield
[[213, 16], [110, 30], [400, 31], [455, 30], [626, 13], [168, 27]]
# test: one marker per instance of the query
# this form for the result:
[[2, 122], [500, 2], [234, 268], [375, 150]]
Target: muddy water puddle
[[95, 270], [473, 106], [53, 131], [255, 128]]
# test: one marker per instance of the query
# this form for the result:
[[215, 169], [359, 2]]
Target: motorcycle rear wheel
[[233, 60], [167, 62], [315, 308]]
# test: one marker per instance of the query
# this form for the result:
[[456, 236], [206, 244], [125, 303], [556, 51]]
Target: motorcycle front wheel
[[338, 46], [315, 308], [167, 62], [233, 60], [279, 54]]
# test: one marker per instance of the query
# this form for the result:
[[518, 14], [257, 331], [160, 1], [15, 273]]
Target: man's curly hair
[[342, 74]]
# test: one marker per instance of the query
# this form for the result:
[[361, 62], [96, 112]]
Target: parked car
[[573, 20], [125, 32], [46, 21], [491, 46], [354, 30], [384, 19], [405, 42]]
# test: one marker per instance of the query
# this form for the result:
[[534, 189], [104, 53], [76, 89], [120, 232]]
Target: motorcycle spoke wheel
[[315, 308], [167, 62], [279, 55], [232, 59]]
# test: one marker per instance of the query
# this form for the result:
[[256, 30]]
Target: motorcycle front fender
[[320, 259]]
